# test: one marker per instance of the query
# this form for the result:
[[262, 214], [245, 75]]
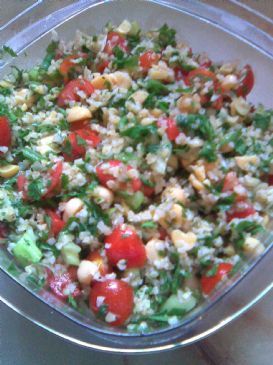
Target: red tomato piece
[[208, 283], [247, 83], [118, 297], [59, 284], [3, 230], [270, 180], [21, 185], [68, 64], [232, 185], [206, 63], [55, 183], [170, 126], [231, 180], [147, 59], [102, 66], [218, 103], [105, 177], [114, 39], [125, 244], [78, 150], [99, 261], [69, 92], [148, 190], [202, 74], [56, 224], [5, 135], [80, 124], [92, 138], [179, 73], [241, 210], [162, 233]]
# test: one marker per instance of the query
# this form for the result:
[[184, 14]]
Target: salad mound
[[135, 174]]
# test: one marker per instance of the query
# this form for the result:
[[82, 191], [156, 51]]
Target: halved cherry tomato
[[96, 257], [68, 64], [102, 66], [105, 177], [270, 180], [117, 296], [60, 283], [5, 132], [56, 223], [3, 230], [125, 244], [21, 185], [147, 59], [240, 210], [247, 83], [206, 63], [170, 126], [148, 190], [208, 283], [80, 124], [232, 185], [218, 103], [114, 39], [179, 73], [162, 233], [91, 137], [55, 181], [230, 181], [69, 92], [78, 150], [202, 74]]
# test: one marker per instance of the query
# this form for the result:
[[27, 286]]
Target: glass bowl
[[224, 37]]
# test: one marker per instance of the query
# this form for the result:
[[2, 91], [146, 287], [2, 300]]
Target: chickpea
[[152, 249], [72, 207], [229, 82], [78, 113], [86, 271], [183, 241], [175, 193], [173, 216], [103, 196], [189, 103]]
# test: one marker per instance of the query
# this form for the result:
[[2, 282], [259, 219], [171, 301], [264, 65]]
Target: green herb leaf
[[7, 50], [138, 132], [36, 189], [72, 302], [262, 119], [197, 124], [212, 271], [156, 87], [149, 225], [122, 60], [209, 152], [166, 36]]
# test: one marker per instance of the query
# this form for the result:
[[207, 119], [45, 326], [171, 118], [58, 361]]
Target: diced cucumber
[[135, 28], [26, 250], [180, 303], [70, 253], [135, 200]]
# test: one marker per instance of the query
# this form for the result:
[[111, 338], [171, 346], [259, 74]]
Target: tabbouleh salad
[[135, 175]]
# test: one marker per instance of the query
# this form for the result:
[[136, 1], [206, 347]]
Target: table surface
[[246, 341]]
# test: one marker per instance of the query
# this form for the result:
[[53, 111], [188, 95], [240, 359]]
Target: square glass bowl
[[224, 37]]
